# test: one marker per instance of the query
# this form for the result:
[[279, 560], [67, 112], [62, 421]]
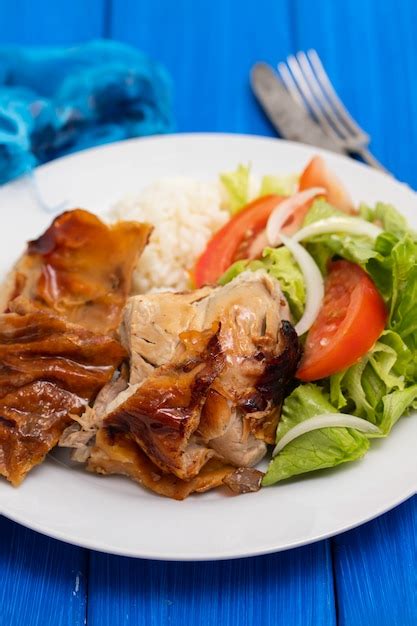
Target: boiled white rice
[[185, 213]]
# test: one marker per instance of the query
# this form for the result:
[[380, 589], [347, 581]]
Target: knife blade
[[285, 114]]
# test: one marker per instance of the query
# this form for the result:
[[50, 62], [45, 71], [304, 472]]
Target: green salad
[[367, 259]]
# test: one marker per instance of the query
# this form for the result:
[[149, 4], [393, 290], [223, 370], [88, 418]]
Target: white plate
[[114, 514]]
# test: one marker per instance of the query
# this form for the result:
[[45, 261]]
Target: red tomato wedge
[[317, 174], [352, 318], [223, 248]]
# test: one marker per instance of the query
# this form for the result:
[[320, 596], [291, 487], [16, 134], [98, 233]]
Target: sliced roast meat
[[236, 446], [163, 414], [62, 306], [81, 268], [50, 370], [209, 370], [114, 453]]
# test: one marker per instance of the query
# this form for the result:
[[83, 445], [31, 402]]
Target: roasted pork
[[62, 306], [50, 370], [209, 370], [80, 268]]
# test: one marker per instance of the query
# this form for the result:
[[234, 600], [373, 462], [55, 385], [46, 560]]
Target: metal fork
[[308, 83]]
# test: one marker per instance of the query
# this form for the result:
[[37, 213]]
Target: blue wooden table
[[367, 576]]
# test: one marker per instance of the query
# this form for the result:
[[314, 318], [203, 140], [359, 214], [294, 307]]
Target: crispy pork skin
[[50, 370], [114, 453], [164, 413], [62, 306], [209, 371], [81, 268]]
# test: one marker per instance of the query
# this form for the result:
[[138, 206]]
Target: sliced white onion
[[313, 281], [286, 208], [336, 224], [327, 420]]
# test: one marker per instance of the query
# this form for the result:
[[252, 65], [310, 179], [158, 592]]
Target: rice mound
[[185, 213]]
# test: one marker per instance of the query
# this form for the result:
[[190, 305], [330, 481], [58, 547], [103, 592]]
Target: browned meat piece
[[237, 446], [49, 370], [31, 422], [63, 299], [209, 371], [115, 453], [244, 480], [38, 345], [80, 268], [81, 433], [164, 413]]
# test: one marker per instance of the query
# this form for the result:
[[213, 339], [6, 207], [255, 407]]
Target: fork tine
[[307, 94], [320, 96], [289, 83], [331, 94]]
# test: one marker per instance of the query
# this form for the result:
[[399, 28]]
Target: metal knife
[[286, 115]]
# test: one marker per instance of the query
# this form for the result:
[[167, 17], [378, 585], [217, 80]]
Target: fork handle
[[369, 158]]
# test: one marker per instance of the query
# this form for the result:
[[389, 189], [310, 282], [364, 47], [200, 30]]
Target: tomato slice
[[317, 174], [223, 248], [352, 318]]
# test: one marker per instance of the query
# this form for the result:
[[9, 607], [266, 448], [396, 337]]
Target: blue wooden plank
[[370, 52], [292, 588], [45, 22], [43, 581], [376, 570], [209, 48]]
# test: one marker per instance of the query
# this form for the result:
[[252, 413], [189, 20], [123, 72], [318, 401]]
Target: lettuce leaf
[[237, 187], [241, 187], [387, 216], [321, 210], [376, 387], [319, 449], [353, 248], [280, 185], [382, 386], [279, 263], [394, 271]]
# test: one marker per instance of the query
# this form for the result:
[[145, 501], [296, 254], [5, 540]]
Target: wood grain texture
[[43, 581], [292, 588], [370, 52], [209, 48], [51, 22], [376, 570]]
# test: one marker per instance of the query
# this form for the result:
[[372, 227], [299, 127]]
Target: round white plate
[[115, 515]]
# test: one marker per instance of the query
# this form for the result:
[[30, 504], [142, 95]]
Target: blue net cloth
[[54, 101]]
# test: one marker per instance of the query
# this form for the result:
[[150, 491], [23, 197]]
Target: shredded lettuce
[[382, 386], [374, 388], [321, 210], [241, 187], [279, 263], [355, 248], [237, 187], [319, 449], [280, 185], [394, 270], [387, 216]]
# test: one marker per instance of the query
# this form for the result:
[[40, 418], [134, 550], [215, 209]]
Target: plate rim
[[233, 553], [202, 557]]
